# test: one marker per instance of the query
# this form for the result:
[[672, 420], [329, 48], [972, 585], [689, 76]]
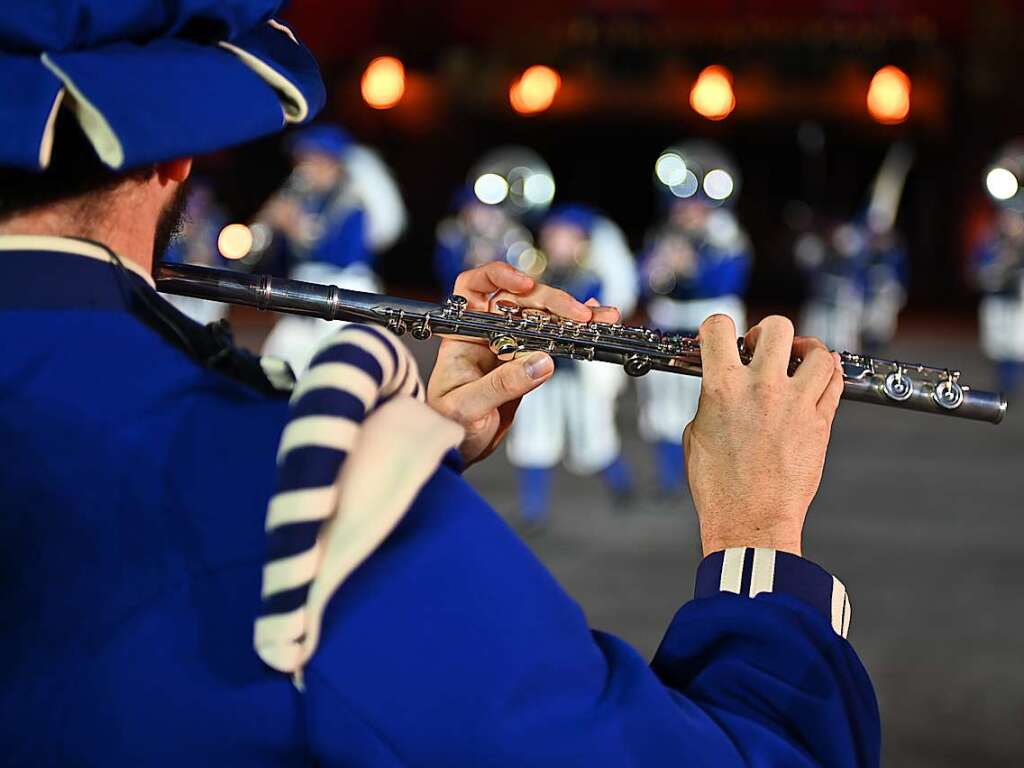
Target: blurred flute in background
[[514, 330]]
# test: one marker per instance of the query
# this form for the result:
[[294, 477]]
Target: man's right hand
[[756, 449]]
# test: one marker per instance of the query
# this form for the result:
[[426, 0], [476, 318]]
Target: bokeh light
[[670, 169], [235, 241], [538, 189], [687, 187], [889, 95], [718, 184], [535, 90], [1001, 183], [383, 83], [712, 95], [490, 188]]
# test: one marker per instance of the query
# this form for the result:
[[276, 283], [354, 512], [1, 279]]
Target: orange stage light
[[712, 95], [889, 95], [383, 82], [535, 90]]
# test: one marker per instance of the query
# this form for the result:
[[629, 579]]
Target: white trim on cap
[[58, 244], [293, 103], [284, 28], [46, 143], [94, 124]]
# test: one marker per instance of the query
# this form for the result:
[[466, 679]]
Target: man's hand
[[756, 449], [469, 385]]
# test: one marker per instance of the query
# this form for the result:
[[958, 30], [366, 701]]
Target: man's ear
[[174, 170]]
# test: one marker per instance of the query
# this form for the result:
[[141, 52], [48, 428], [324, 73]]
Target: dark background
[[627, 66]]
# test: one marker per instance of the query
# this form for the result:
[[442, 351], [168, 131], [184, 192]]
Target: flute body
[[514, 330]]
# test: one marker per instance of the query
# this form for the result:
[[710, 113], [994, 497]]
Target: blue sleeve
[[454, 646], [722, 274], [344, 241]]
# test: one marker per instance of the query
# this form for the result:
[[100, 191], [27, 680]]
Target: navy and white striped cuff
[[749, 571]]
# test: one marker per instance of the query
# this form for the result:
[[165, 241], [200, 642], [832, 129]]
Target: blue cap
[[148, 80], [581, 216], [322, 137], [463, 196]]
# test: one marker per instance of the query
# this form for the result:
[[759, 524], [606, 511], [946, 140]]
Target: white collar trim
[[69, 245]]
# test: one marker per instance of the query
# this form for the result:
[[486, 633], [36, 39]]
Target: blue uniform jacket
[[720, 272], [992, 277], [134, 488], [342, 242]]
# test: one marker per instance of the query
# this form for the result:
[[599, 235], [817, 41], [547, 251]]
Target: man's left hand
[[469, 385]]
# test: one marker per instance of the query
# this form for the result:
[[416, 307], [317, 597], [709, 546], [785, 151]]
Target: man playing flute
[[205, 564]]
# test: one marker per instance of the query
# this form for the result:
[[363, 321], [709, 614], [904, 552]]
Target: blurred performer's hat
[[582, 217], [322, 138], [697, 170], [514, 177], [148, 80], [1004, 177]]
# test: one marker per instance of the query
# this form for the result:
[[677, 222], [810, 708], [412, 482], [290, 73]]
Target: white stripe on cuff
[[732, 570], [840, 608], [762, 576]]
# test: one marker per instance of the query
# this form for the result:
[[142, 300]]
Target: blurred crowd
[[340, 207]]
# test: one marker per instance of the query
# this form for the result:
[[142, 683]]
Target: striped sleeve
[[750, 571]]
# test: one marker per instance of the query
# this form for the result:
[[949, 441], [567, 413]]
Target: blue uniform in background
[[998, 269], [136, 462], [572, 417], [340, 240], [717, 258], [886, 278], [856, 285], [331, 248], [476, 234]]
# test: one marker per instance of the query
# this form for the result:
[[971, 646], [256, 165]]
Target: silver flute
[[514, 330]]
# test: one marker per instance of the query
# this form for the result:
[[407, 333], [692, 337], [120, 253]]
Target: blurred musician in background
[[856, 270], [573, 415], [197, 243], [696, 264], [476, 233], [998, 268], [508, 189], [339, 207], [885, 264], [886, 271], [832, 262]]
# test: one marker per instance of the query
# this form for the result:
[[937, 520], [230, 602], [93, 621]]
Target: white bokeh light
[[670, 169], [718, 184], [1001, 183], [687, 187], [539, 189], [490, 188]]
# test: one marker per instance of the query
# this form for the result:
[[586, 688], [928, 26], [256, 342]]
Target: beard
[[171, 222]]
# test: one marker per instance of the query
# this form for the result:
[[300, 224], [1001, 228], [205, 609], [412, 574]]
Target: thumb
[[505, 384]]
